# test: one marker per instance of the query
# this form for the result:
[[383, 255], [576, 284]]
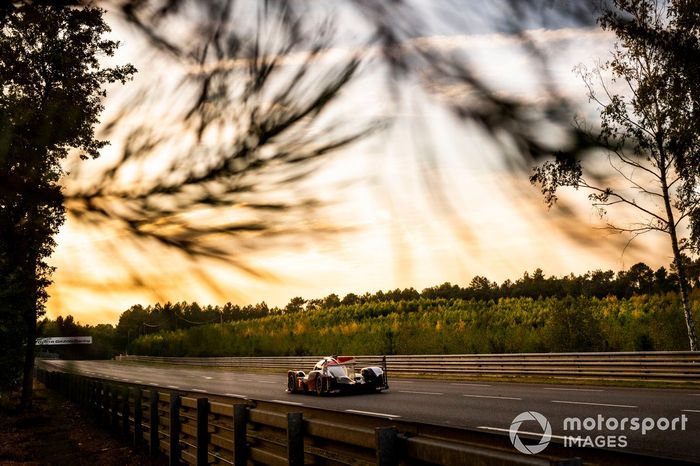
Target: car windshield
[[339, 371]]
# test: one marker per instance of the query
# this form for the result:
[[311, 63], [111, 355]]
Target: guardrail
[[665, 366], [198, 430]]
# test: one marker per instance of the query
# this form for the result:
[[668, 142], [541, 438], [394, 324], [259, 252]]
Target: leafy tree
[[648, 147], [51, 88], [296, 304], [641, 276], [331, 301]]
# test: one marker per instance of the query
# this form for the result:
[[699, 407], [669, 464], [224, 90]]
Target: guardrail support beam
[[138, 417], [126, 428], [387, 446], [114, 393], [174, 456], [295, 439], [105, 404], [153, 426], [202, 431], [240, 446]]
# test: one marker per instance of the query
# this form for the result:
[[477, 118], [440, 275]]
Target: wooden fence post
[[295, 439], [240, 447], [105, 404], [154, 437], [125, 412], [138, 417], [114, 402], [174, 430], [387, 446], [202, 431]]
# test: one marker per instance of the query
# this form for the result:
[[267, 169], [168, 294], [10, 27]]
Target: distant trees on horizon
[[139, 320]]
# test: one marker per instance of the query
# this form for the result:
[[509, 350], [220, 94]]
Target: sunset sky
[[428, 200]]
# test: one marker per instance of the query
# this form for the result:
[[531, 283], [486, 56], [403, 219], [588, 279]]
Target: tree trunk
[[30, 315], [28, 376], [683, 285], [677, 258]]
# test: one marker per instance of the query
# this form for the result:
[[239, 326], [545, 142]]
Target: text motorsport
[[598, 432]]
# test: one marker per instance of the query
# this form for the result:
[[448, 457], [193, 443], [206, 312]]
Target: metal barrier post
[[202, 431], [387, 446], [138, 417], [240, 447], [295, 439], [174, 430], [105, 404], [125, 412], [114, 402], [154, 438]]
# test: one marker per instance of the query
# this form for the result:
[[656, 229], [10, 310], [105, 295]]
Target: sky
[[428, 200]]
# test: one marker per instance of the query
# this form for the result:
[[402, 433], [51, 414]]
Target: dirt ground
[[56, 432]]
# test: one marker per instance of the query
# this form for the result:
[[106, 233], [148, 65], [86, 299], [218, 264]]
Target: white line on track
[[267, 381], [174, 386], [471, 384], [500, 429], [691, 410], [371, 413], [495, 397], [694, 394], [592, 404], [208, 378], [288, 402], [575, 389], [153, 383], [420, 393], [235, 394], [198, 390], [138, 381]]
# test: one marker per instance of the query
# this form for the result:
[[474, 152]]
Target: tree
[[51, 88], [295, 304], [649, 143]]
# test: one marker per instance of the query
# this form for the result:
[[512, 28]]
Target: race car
[[336, 374]]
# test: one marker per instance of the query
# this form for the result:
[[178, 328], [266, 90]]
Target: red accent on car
[[345, 359]]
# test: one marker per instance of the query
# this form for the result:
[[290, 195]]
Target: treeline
[[639, 279], [141, 323], [442, 326], [104, 339]]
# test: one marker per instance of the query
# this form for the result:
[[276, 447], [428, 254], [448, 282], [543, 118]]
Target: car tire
[[292, 383], [319, 385]]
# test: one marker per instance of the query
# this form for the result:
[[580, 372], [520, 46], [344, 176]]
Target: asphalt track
[[488, 406]]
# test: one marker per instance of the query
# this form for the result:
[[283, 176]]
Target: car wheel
[[319, 385], [292, 383]]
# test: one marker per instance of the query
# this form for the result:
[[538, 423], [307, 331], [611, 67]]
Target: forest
[[633, 310]]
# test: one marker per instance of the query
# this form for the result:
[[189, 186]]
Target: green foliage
[[572, 326], [649, 133], [51, 90], [104, 342], [439, 326]]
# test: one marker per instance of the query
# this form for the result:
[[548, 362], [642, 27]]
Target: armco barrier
[[198, 430], [667, 366]]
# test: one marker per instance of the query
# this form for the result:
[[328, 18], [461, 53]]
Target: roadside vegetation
[[633, 310]]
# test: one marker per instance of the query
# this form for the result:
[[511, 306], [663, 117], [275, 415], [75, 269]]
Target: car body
[[336, 374]]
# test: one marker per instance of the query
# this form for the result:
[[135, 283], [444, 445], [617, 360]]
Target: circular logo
[[515, 427]]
